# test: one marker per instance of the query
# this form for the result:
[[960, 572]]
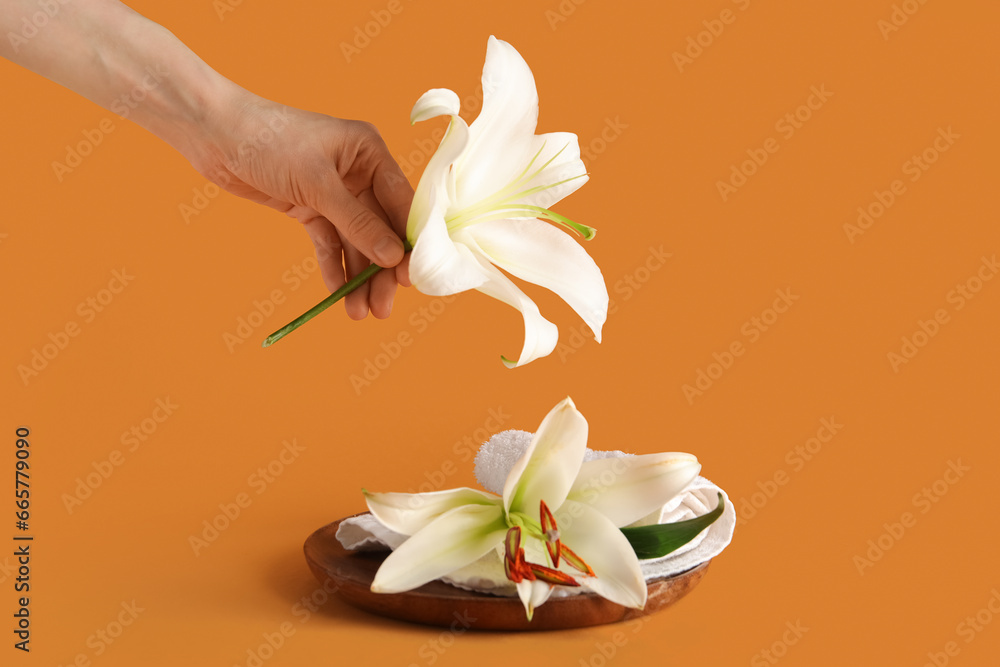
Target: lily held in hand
[[482, 208]]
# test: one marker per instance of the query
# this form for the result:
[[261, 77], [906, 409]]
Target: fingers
[[383, 292], [364, 228], [357, 224], [334, 256], [383, 283], [403, 272], [329, 251], [356, 303], [393, 191]]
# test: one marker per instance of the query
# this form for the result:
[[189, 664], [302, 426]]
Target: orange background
[[607, 64]]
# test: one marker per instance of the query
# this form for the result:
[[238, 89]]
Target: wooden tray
[[349, 575]]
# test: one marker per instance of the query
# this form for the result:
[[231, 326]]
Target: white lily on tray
[[558, 522]]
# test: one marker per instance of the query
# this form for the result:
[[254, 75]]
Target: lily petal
[[540, 335], [451, 541], [552, 169], [435, 102], [407, 513], [618, 576], [560, 163], [533, 595], [439, 266], [539, 253], [627, 489], [547, 469], [501, 137]]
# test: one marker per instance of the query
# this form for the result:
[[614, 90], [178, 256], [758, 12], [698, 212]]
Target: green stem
[[351, 285]]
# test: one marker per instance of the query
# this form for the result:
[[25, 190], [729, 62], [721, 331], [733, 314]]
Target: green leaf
[[660, 539]]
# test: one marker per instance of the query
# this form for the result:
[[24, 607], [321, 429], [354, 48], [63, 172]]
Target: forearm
[[124, 62]]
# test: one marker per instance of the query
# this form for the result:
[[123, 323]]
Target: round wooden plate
[[349, 575]]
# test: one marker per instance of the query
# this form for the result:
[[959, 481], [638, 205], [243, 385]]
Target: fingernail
[[389, 251]]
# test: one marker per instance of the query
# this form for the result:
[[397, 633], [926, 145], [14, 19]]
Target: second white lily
[[557, 522], [482, 199]]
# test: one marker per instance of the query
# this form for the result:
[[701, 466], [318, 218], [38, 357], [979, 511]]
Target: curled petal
[[540, 335], [626, 489], [539, 253], [449, 542], [406, 513], [547, 469], [435, 102]]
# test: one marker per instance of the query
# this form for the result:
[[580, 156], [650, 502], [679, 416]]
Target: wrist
[[175, 95]]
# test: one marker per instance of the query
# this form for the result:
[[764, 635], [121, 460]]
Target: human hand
[[334, 176]]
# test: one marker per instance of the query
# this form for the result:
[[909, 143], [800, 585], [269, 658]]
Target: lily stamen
[[551, 531], [576, 562]]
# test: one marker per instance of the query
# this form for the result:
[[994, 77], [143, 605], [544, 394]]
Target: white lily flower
[[557, 522], [484, 195]]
